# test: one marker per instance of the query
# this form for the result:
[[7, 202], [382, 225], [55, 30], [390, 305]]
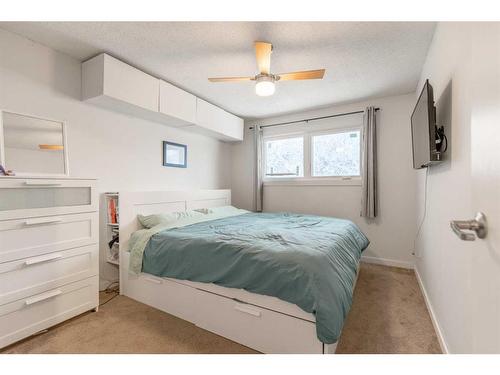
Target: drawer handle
[[42, 259], [247, 310], [43, 220], [152, 280], [43, 297], [33, 183]]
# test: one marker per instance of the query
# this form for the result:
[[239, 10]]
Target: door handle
[[477, 225]]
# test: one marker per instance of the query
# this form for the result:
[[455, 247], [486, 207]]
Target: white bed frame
[[266, 324]]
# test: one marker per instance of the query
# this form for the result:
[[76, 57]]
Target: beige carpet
[[388, 316]]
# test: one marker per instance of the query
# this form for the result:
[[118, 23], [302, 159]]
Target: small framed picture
[[174, 155]]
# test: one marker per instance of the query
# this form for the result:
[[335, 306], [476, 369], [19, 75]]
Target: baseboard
[[437, 328], [387, 262]]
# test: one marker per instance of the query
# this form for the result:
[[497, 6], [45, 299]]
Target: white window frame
[[308, 178]]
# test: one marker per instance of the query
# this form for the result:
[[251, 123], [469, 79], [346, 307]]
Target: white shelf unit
[[113, 223]]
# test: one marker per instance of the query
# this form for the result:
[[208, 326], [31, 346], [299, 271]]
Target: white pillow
[[149, 221]]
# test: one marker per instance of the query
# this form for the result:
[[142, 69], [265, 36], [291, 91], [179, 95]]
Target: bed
[[290, 259]]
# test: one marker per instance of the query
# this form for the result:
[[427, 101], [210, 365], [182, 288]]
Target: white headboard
[[155, 202]]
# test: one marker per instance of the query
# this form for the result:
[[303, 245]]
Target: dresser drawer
[[27, 316], [21, 198], [25, 238], [25, 277], [256, 327]]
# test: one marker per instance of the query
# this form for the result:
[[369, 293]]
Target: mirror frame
[[25, 174]]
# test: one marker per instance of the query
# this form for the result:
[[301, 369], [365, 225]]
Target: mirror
[[32, 145]]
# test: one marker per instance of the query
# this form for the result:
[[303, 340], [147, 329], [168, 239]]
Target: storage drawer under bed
[[161, 293], [256, 327], [27, 316]]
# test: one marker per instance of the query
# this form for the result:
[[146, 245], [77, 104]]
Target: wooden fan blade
[[306, 74], [263, 54], [231, 79]]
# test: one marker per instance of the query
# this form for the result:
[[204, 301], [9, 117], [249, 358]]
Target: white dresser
[[49, 254]]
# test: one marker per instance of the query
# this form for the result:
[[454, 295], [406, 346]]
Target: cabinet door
[[105, 77], [124, 82], [178, 105], [225, 125]]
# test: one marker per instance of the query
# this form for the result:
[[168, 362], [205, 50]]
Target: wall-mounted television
[[427, 138]]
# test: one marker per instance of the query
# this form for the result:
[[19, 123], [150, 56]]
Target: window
[[327, 156], [336, 154], [284, 157]]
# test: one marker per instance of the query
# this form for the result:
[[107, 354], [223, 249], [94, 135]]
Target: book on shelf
[[112, 210]]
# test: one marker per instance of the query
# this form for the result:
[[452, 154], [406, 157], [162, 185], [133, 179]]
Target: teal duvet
[[310, 261]]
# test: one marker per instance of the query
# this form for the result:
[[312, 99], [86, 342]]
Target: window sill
[[314, 182]]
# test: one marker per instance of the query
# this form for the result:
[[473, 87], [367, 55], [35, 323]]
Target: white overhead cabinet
[[215, 120], [177, 105], [113, 84]]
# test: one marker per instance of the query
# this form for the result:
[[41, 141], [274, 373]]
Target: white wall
[[123, 152], [459, 277], [392, 233]]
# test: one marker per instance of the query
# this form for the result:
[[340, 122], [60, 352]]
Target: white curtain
[[369, 199], [259, 190]]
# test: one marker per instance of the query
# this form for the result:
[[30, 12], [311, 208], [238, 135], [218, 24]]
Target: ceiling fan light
[[265, 86]]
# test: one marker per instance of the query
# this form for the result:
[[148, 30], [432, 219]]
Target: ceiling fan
[[265, 80]]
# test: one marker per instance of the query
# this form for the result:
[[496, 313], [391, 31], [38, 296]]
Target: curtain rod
[[312, 119]]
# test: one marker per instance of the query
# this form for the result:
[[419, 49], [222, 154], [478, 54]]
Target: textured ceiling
[[362, 60]]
